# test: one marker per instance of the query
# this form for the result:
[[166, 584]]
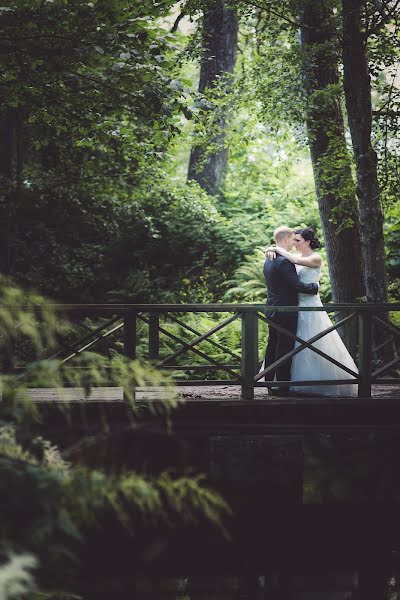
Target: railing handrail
[[219, 307]]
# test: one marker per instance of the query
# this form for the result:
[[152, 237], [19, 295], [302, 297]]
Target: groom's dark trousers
[[283, 288]]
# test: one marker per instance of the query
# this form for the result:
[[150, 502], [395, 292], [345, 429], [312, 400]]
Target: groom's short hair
[[281, 233]]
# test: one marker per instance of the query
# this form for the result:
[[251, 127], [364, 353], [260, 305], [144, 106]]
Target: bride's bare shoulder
[[317, 257]]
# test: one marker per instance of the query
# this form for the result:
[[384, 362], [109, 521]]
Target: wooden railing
[[370, 320]]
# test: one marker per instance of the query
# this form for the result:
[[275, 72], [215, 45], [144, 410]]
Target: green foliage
[[16, 577], [271, 44], [335, 179], [86, 58], [52, 510], [90, 95], [19, 313], [392, 232], [173, 246], [166, 242], [211, 114], [249, 282], [383, 59], [67, 502]]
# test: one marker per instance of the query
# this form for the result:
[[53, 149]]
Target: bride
[[308, 365]]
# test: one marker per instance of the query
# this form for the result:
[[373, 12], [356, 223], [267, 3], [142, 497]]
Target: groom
[[283, 288]]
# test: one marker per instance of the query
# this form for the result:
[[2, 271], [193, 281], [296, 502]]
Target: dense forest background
[[148, 150]]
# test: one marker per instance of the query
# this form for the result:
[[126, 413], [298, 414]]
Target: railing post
[[249, 353], [130, 339], [154, 337], [365, 354]]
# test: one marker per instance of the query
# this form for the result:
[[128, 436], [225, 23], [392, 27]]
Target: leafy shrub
[[58, 514], [172, 246]]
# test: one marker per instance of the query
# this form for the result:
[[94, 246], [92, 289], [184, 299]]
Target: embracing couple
[[292, 280]]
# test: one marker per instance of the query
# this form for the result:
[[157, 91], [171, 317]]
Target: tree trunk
[[7, 146], [358, 102], [334, 185], [8, 152], [219, 57]]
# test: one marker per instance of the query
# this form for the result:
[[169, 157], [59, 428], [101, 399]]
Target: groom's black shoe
[[282, 393], [278, 392], [293, 394]]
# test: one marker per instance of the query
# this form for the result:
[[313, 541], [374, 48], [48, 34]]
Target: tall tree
[[330, 160], [219, 41], [357, 87]]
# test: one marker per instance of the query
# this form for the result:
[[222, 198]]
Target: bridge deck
[[220, 410], [201, 393]]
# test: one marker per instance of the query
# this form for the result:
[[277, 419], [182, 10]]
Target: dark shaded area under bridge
[[288, 516]]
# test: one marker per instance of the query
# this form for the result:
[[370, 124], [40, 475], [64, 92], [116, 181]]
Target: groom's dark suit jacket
[[284, 284]]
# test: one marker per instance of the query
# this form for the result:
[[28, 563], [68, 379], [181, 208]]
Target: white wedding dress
[[308, 365]]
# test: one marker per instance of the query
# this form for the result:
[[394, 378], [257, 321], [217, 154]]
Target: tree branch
[[278, 14], [177, 21]]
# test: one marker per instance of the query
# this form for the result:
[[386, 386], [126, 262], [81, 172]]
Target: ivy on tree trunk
[[331, 163], [357, 87]]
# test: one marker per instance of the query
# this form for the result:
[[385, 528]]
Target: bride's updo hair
[[308, 234]]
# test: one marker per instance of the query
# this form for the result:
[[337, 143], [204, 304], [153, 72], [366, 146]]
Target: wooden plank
[[365, 354], [74, 394], [249, 353], [227, 393], [130, 335], [154, 337]]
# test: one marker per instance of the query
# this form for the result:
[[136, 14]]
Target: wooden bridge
[[239, 402], [254, 448], [122, 321]]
